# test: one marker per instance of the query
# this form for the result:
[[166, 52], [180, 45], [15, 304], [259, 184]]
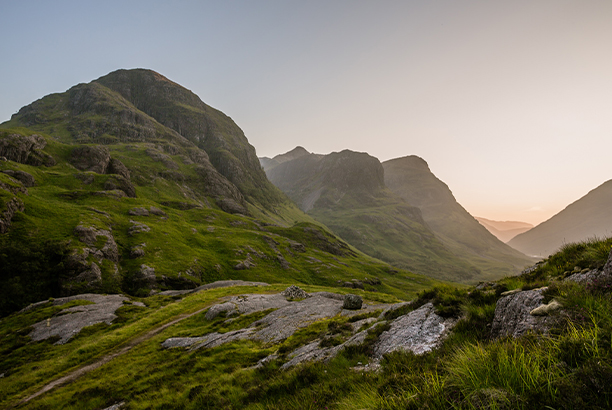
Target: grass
[[570, 367], [186, 248]]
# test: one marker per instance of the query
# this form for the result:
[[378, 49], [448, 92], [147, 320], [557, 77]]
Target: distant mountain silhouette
[[588, 217], [504, 230], [350, 193]]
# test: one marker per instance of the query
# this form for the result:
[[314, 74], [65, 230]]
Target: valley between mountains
[[150, 260]]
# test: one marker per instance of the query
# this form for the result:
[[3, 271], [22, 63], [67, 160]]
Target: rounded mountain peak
[[410, 161]]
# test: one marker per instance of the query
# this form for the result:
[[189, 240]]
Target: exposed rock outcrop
[[101, 245], [70, 321], [25, 150], [512, 314], [419, 332], [137, 228], [138, 212], [26, 179], [12, 206], [91, 158]]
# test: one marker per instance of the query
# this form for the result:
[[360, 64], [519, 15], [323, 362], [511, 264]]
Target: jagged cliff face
[[144, 106]]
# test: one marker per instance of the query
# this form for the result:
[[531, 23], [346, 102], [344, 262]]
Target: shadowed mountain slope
[[346, 191], [588, 217], [410, 179]]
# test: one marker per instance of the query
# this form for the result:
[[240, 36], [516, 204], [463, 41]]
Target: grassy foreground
[[569, 368]]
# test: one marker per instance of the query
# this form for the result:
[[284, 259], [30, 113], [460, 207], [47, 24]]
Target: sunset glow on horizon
[[508, 102]]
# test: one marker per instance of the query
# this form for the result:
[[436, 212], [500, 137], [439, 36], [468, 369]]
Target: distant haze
[[508, 102]]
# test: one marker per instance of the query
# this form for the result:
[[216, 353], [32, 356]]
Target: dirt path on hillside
[[75, 374]]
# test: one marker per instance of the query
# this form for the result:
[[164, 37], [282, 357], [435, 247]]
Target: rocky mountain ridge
[[397, 211]]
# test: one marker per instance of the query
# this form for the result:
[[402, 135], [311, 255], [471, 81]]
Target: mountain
[[411, 179], [143, 106], [346, 191], [504, 230], [109, 187], [588, 217]]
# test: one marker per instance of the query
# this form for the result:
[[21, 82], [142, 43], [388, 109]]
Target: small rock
[[352, 302], [137, 228], [138, 212], [156, 211], [245, 264], [511, 292], [294, 292], [115, 406]]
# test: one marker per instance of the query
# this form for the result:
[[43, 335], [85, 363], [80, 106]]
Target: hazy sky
[[510, 102]]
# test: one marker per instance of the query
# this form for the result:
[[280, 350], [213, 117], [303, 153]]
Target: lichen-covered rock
[[137, 251], [512, 314], [227, 308], [352, 302], [353, 284], [69, 322], [231, 206], [91, 275], [418, 331], [294, 292], [147, 274]]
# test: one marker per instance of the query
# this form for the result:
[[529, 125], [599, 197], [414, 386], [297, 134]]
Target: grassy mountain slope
[[568, 368], [78, 231], [346, 192], [410, 179], [588, 217], [141, 105]]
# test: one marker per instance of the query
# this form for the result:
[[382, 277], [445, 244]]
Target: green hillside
[[410, 179], [131, 184], [143, 106], [346, 192], [125, 364]]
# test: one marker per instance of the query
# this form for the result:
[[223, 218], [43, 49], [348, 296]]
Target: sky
[[509, 102]]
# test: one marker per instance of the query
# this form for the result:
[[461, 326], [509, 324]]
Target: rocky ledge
[[418, 331]]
